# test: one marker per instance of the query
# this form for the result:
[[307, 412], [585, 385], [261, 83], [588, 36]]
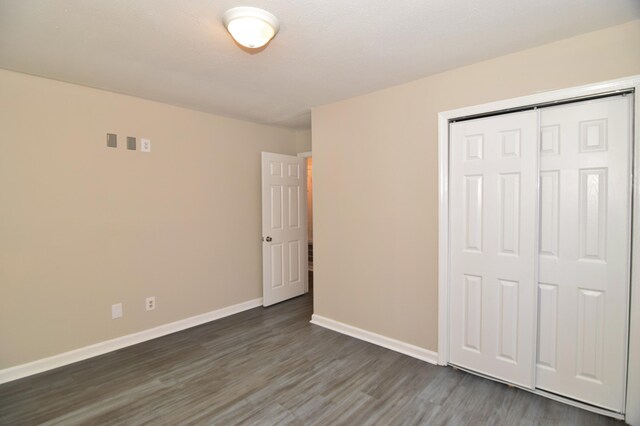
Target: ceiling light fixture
[[250, 26]]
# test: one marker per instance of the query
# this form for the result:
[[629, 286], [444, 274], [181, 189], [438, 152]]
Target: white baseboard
[[377, 339], [55, 361]]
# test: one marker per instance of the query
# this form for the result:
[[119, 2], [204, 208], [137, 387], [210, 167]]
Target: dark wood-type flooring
[[270, 366]]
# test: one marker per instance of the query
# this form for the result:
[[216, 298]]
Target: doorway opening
[[309, 164], [310, 210]]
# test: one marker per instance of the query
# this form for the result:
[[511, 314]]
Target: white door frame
[[633, 82]]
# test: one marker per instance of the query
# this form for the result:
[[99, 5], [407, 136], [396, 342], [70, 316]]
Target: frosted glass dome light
[[250, 26]]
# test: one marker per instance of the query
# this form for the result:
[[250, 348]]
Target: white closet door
[[584, 250], [493, 176]]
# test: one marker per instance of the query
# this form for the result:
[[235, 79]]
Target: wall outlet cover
[[116, 311], [150, 303], [145, 145]]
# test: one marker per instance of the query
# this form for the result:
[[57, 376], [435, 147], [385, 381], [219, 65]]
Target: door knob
[[269, 239]]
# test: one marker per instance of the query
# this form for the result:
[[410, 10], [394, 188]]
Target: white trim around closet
[[632, 415]]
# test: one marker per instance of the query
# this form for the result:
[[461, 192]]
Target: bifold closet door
[[585, 154], [493, 205]]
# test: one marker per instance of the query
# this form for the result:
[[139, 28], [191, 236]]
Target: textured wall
[[376, 178], [83, 226]]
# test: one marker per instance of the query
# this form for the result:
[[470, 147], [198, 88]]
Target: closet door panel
[[584, 250], [493, 177]]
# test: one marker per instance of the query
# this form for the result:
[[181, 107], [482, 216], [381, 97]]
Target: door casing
[[632, 414]]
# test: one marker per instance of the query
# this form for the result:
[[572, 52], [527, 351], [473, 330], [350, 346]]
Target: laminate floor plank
[[270, 367]]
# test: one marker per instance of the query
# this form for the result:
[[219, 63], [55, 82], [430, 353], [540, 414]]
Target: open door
[[284, 227]]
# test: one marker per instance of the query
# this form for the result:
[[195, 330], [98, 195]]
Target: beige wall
[[83, 226], [303, 141], [376, 178]]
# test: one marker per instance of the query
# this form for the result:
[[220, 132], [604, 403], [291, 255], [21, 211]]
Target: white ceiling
[[178, 52]]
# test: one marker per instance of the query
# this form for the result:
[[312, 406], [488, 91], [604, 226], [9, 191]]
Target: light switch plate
[[145, 145]]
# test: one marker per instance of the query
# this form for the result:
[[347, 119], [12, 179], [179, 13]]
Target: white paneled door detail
[[284, 227], [493, 175], [540, 246], [584, 251]]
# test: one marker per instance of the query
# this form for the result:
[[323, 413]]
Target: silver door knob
[[269, 239]]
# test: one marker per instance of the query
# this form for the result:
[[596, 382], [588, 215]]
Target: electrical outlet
[[150, 303], [145, 145], [116, 311]]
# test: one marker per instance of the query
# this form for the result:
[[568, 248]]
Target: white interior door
[[284, 227], [584, 250], [493, 199]]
